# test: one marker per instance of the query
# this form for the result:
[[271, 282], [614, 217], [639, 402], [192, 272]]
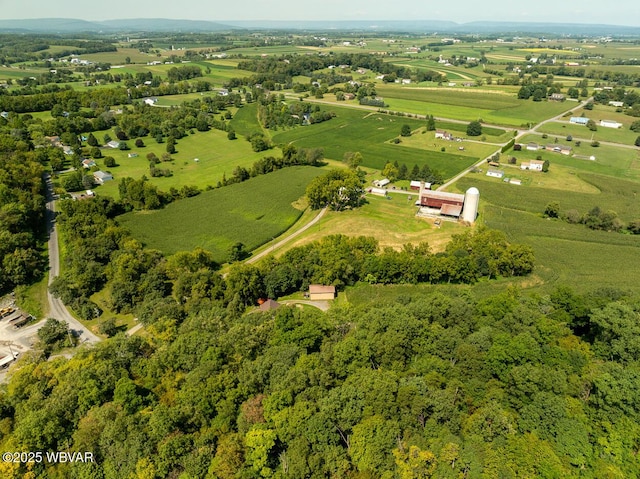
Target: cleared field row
[[370, 133], [217, 219]]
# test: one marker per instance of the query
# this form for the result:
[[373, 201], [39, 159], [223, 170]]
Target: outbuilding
[[320, 292], [101, 176]]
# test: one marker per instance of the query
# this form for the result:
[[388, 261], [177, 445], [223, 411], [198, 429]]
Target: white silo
[[470, 207]]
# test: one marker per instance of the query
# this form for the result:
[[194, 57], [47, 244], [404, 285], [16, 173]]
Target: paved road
[[281, 243], [57, 308]]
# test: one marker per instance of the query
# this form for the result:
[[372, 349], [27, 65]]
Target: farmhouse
[[88, 163], [564, 149], [617, 104], [557, 97], [579, 120], [151, 101], [494, 173], [319, 292], [533, 165], [100, 177], [382, 183], [113, 144], [444, 135], [610, 124]]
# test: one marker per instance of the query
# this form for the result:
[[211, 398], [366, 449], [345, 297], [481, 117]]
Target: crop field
[[391, 221], [215, 153], [470, 105], [565, 253], [611, 194], [245, 121], [217, 219], [370, 133]]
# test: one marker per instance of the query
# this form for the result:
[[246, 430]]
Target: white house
[[533, 165], [616, 103], [444, 135], [494, 173], [151, 101], [610, 124], [113, 144], [101, 176]]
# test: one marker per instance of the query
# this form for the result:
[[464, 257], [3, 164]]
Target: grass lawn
[[216, 156], [610, 160], [426, 140], [561, 129], [217, 219], [370, 133], [391, 221]]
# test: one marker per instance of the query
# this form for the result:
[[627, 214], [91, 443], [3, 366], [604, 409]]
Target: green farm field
[[567, 254], [216, 156], [370, 133], [217, 219], [245, 121], [491, 107]]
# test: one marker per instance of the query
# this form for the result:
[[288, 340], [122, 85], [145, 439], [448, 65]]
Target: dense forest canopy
[[432, 385]]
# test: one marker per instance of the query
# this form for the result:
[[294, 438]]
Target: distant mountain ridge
[[70, 25]]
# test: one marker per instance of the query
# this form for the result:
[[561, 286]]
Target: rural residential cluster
[[329, 253]]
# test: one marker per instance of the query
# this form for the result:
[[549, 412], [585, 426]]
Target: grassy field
[[216, 156], [217, 219], [245, 121], [562, 129], [370, 133], [426, 140], [391, 221], [565, 253], [610, 160]]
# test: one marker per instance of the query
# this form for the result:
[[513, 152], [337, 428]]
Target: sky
[[624, 12]]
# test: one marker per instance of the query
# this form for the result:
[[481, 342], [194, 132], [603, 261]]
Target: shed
[[269, 305], [378, 191], [610, 124], [382, 183], [319, 292], [494, 173], [415, 185]]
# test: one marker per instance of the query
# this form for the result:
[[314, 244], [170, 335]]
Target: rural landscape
[[233, 252]]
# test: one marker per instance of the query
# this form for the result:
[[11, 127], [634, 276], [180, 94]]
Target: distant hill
[[69, 25]]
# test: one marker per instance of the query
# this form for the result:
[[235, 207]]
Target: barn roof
[[451, 210], [321, 288]]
